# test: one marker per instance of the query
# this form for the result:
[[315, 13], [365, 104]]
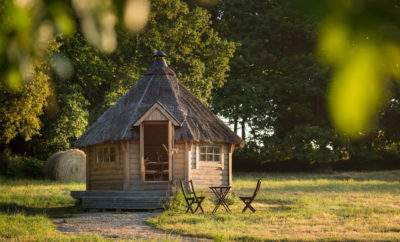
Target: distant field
[[341, 206]]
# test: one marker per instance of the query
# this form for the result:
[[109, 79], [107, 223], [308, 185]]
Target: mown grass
[[339, 206], [28, 206]]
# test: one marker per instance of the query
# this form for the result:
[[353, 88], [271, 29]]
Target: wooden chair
[[190, 197], [248, 200]]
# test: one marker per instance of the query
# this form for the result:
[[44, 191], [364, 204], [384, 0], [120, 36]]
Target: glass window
[[112, 154], [210, 153], [106, 154]]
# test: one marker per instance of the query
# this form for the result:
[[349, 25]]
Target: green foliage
[[20, 166], [276, 87], [64, 122], [359, 40], [195, 51], [277, 90], [177, 201], [20, 110]]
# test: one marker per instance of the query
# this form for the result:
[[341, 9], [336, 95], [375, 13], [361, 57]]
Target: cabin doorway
[[155, 150]]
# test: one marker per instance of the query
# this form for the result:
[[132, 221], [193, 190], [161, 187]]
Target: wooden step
[[119, 203], [96, 193], [121, 199]]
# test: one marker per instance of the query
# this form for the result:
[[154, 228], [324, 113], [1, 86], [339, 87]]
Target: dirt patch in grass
[[118, 225]]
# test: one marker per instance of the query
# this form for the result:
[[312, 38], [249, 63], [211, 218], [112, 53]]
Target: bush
[[246, 160], [20, 166], [174, 202]]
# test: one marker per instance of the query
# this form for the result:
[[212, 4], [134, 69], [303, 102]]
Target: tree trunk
[[244, 129], [235, 125]]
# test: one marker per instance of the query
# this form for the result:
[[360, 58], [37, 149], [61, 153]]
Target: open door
[[156, 150]]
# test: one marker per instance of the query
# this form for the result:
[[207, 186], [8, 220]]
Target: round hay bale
[[69, 165]]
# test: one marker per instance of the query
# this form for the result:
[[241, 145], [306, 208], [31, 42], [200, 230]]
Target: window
[[210, 153], [106, 154]]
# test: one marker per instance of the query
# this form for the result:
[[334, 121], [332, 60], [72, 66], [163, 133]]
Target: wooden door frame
[[170, 153]]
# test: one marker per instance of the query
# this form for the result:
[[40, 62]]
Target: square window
[[210, 153]]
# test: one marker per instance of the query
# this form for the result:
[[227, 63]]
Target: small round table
[[221, 192]]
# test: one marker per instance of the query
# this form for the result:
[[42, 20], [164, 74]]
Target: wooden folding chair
[[248, 200], [190, 197]]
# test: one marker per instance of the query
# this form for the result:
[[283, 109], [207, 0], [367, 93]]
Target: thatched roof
[[159, 85]]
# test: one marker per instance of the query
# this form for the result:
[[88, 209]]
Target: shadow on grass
[[53, 212]]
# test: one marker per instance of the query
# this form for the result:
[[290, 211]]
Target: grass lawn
[[27, 206], [340, 206]]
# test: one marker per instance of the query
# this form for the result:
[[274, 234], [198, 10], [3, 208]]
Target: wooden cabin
[[155, 135]]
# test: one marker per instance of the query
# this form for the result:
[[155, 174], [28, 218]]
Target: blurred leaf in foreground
[[360, 41], [27, 27]]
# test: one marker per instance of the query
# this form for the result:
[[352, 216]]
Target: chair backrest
[[257, 189], [187, 188]]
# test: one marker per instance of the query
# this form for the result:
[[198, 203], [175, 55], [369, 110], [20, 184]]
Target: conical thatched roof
[[159, 85]]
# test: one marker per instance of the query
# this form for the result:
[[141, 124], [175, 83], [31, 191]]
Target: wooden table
[[221, 192]]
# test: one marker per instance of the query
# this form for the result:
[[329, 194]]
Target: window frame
[[211, 150], [103, 154]]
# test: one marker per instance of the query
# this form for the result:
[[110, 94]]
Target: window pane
[[100, 155], [209, 149], [106, 156], [202, 157], [209, 157], [202, 149], [216, 150], [216, 157], [112, 154]]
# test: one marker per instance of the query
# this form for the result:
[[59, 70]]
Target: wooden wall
[[179, 160], [206, 174], [104, 176], [186, 165], [134, 165]]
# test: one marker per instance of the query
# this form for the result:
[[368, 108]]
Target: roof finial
[[159, 61], [159, 53]]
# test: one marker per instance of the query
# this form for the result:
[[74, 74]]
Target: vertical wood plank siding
[[179, 161]]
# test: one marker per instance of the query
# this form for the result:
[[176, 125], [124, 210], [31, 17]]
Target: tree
[[97, 80], [195, 50], [20, 109], [276, 86]]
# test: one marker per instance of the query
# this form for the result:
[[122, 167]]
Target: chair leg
[[244, 209], [189, 208], [200, 207], [251, 208], [248, 206]]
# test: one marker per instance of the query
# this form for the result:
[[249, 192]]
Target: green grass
[[339, 206], [27, 207]]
